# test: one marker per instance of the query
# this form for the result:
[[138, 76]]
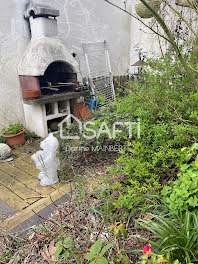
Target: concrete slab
[[5, 210]]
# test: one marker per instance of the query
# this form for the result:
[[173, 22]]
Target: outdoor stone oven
[[47, 73]]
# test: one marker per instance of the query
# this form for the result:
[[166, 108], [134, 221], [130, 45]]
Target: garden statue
[[5, 153], [47, 162]]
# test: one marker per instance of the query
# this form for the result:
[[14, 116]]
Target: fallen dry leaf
[[52, 248], [48, 254], [150, 217], [31, 236], [26, 260]]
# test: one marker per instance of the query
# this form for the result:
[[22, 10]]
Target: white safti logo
[[104, 129]]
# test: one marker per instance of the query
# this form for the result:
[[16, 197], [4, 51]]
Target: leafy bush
[[182, 194], [175, 234], [29, 135], [65, 249], [96, 255], [165, 100], [13, 129]]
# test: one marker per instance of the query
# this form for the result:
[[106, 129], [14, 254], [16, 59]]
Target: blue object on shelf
[[92, 102]]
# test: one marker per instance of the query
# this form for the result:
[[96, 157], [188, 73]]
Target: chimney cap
[[41, 11]]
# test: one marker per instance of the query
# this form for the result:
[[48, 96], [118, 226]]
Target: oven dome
[[40, 53]]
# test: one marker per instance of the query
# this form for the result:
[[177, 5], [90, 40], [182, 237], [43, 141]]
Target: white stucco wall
[[79, 21], [14, 38]]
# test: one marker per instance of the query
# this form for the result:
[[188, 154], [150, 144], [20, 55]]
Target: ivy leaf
[[105, 249], [66, 254], [89, 256], [59, 243], [183, 149], [194, 146], [184, 167], [68, 245], [95, 249], [102, 261], [176, 261], [117, 232], [193, 201], [123, 230], [188, 157], [58, 251], [67, 239], [125, 260]]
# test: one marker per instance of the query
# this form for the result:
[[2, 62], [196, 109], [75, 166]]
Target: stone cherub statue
[[47, 162]]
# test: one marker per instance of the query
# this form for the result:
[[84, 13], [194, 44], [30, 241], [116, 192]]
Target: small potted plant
[[14, 134]]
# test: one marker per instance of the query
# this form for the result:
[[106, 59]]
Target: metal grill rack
[[99, 69]]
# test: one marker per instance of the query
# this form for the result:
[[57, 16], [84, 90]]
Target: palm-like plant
[[177, 234]]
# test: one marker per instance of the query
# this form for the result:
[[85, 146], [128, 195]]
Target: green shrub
[[166, 102], [182, 194], [175, 234], [29, 135]]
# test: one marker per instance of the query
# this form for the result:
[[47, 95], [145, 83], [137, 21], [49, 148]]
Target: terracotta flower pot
[[85, 112], [143, 11], [81, 111], [77, 108], [31, 94], [15, 140]]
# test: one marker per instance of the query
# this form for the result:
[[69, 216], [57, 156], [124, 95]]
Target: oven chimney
[[43, 22], [44, 47]]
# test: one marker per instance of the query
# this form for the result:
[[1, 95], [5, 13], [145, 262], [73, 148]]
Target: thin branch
[[184, 20], [100, 230], [160, 45], [137, 18]]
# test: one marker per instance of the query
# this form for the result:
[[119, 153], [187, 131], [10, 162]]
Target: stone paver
[[5, 210]]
